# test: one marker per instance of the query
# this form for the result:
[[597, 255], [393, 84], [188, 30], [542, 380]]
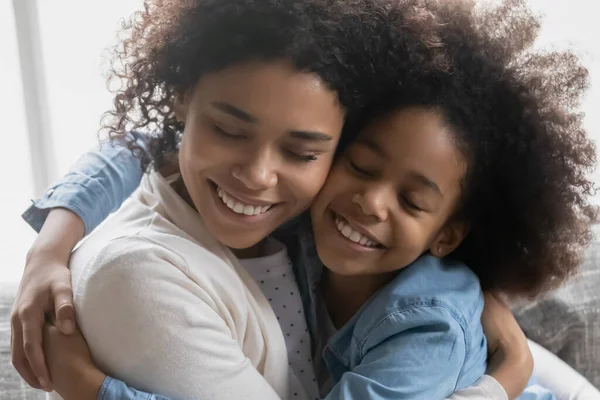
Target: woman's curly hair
[[527, 189], [170, 44]]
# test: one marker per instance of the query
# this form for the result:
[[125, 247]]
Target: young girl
[[399, 200]]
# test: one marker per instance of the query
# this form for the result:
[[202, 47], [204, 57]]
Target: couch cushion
[[12, 387], [567, 322]]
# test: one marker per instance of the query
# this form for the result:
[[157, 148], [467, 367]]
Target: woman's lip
[[242, 198], [238, 218], [360, 229]]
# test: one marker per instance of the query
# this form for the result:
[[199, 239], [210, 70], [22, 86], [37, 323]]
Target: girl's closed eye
[[410, 204], [358, 170]]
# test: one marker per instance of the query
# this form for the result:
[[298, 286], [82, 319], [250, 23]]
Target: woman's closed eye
[[301, 156], [227, 133]]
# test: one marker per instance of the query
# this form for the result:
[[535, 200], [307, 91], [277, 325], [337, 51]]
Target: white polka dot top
[[275, 277]]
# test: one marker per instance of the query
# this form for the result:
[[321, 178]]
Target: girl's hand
[[74, 375], [509, 359], [45, 288]]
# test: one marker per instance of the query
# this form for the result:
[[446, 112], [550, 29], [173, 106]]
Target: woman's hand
[[45, 288], [509, 359], [74, 375]]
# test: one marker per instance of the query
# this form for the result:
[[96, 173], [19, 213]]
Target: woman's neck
[[345, 295], [255, 251]]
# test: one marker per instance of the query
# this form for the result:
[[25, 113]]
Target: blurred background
[[53, 60]]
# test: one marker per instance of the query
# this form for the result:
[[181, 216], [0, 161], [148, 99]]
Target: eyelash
[[301, 157]]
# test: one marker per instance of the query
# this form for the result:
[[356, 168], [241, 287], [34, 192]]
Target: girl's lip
[[353, 245], [359, 228]]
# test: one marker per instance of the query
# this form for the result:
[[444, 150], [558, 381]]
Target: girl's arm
[[96, 186]]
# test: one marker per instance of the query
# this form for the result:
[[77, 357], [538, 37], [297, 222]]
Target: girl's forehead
[[412, 138]]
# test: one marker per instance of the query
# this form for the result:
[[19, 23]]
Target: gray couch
[[12, 387], [566, 323]]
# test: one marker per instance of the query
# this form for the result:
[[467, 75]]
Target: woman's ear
[[181, 104], [449, 238]]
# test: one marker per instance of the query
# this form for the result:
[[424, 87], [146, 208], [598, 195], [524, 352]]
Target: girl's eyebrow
[[234, 111], [425, 181], [374, 147]]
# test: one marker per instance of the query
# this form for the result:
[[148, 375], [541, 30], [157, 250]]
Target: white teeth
[[239, 207], [353, 234], [346, 231]]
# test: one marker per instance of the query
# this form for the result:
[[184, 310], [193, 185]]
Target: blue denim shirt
[[419, 337]]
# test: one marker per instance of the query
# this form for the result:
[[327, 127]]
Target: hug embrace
[[315, 199]]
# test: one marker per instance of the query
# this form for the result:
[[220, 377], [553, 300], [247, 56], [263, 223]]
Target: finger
[[32, 343], [65, 311], [18, 359]]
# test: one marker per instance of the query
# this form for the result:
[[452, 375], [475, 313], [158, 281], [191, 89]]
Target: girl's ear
[[449, 238], [182, 102]]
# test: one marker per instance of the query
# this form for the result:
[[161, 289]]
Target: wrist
[[512, 369], [87, 387], [61, 232]]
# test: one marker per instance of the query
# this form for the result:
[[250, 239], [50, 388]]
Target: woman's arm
[[98, 183]]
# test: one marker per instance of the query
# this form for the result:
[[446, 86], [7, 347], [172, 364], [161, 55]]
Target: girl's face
[[258, 143], [391, 196]]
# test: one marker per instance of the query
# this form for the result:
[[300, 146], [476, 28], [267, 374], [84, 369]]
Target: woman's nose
[[257, 173]]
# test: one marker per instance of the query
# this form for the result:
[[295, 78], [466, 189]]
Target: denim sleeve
[[95, 186], [415, 353], [535, 391], [113, 389]]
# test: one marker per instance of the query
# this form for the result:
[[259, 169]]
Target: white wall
[[17, 185]]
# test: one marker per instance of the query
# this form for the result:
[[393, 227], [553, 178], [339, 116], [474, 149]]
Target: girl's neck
[[345, 295]]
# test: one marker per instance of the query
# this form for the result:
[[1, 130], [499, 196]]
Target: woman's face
[[391, 195], [258, 143]]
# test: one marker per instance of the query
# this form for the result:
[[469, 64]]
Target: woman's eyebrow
[[311, 135], [234, 111]]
